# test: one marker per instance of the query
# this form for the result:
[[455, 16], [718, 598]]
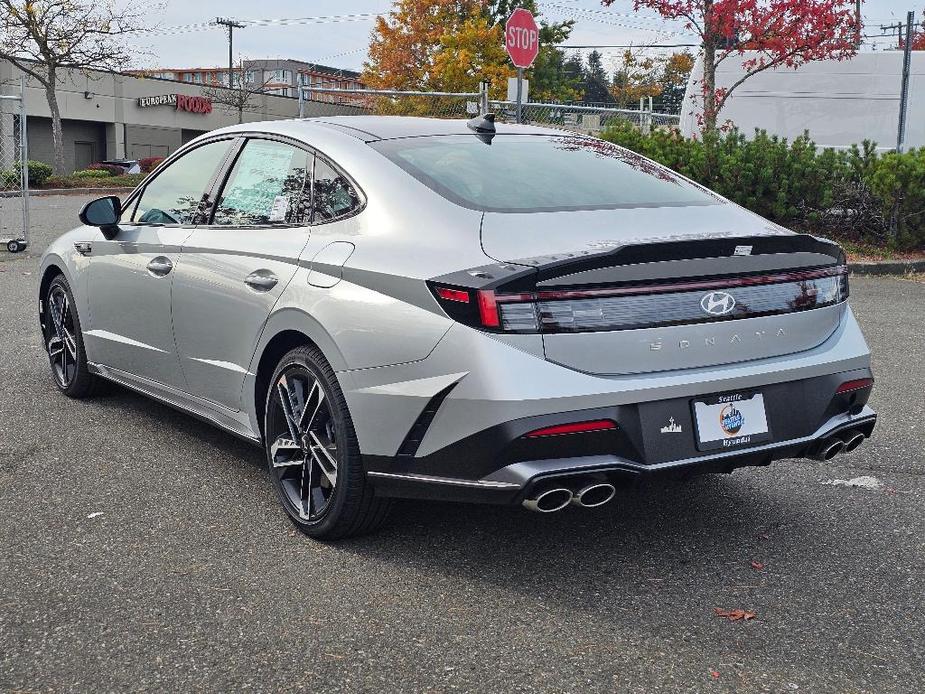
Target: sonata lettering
[[658, 344]]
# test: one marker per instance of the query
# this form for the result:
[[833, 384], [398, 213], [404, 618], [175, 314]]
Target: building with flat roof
[[108, 115], [274, 76]]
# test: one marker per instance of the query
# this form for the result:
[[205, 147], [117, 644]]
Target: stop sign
[[522, 38]]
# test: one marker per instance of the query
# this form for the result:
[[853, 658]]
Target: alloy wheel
[[61, 344], [303, 452]]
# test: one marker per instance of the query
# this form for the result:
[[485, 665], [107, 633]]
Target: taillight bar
[[641, 290], [540, 310]]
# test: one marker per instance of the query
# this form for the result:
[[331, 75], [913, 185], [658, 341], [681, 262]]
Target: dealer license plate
[[730, 421]]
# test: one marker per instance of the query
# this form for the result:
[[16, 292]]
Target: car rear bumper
[[515, 481], [455, 425]]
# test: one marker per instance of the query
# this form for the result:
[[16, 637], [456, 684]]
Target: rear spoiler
[[654, 261]]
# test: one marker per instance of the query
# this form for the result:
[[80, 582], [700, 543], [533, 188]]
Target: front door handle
[[160, 266], [261, 280]]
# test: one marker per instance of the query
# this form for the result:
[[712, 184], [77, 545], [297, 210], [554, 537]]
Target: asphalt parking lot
[[144, 550]]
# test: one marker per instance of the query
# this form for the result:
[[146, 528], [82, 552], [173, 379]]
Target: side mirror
[[103, 213]]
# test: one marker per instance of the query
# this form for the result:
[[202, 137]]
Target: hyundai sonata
[[457, 310]]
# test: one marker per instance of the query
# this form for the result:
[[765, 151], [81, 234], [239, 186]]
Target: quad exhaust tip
[[550, 501], [829, 448], [557, 498], [594, 495], [852, 440]]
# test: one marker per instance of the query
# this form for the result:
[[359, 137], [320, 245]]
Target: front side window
[[175, 194], [267, 185], [333, 196]]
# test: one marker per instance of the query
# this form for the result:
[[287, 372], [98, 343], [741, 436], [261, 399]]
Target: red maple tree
[[775, 32]]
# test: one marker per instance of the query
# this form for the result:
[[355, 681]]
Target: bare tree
[[240, 93], [43, 38]]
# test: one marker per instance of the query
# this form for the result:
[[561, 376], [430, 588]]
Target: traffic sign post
[[522, 43]]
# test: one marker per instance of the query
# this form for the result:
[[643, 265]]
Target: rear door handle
[[261, 280], [160, 266]]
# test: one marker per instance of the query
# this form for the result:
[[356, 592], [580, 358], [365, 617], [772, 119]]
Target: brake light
[[488, 309], [452, 294], [857, 384], [574, 428]]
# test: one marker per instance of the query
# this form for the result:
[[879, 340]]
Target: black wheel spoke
[[285, 401], [323, 458]]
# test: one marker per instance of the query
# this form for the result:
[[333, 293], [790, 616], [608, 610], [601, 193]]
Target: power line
[[635, 45], [207, 26]]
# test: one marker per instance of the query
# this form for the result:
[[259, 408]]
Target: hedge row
[[79, 179], [858, 194], [38, 174]]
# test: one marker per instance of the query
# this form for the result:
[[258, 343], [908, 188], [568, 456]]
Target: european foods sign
[[181, 102]]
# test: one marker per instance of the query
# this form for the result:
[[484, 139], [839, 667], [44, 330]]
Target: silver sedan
[[401, 307]]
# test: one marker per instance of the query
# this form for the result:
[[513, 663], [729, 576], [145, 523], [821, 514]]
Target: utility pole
[[857, 16], [904, 90], [232, 25], [894, 29]]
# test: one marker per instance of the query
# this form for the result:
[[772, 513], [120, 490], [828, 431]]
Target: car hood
[[509, 237]]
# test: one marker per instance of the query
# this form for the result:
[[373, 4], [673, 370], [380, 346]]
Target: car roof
[[371, 128]]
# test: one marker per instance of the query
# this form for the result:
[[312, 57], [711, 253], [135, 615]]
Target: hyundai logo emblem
[[717, 303]]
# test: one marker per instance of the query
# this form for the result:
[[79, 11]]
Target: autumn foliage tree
[[452, 45], [436, 45], [774, 32], [918, 39]]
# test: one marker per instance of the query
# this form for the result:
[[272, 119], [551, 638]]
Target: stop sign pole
[[522, 43]]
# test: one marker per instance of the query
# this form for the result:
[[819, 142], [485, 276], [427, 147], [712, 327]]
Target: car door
[[130, 276], [232, 271]]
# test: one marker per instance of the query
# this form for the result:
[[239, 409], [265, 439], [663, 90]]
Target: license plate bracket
[[730, 420]]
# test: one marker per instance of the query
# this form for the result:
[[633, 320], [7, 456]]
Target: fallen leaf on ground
[[735, 615], [757, 565]]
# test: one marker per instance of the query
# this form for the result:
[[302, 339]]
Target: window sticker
[[260, 176], [279, 209]]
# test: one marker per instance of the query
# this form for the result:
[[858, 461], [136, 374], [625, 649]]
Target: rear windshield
[[539, 173]]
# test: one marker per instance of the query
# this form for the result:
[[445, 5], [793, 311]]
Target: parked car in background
[[129, 166], [411, 307]]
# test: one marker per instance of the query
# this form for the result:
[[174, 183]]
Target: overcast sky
[[343, 44]]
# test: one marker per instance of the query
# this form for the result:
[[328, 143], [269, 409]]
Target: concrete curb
[[43, 192], [887, 268]]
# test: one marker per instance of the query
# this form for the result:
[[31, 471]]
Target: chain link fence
[[384, 102], [589, 120], [14, 169]]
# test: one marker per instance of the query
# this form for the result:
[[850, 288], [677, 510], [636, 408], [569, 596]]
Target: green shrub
[[38, 173], [92, 173], [854, 194]]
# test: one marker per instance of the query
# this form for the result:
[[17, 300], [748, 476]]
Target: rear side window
[[269, 184], [173, 197], [333, 196], [539, 173]]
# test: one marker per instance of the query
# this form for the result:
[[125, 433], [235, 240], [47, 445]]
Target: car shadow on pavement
[[125, 403], [655, 537]]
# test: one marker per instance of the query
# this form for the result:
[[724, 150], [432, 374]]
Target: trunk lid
[[653, 289]]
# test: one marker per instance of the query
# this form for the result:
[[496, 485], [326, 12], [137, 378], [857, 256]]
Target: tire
[[64, 342], [313, 457], [14, 246]]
